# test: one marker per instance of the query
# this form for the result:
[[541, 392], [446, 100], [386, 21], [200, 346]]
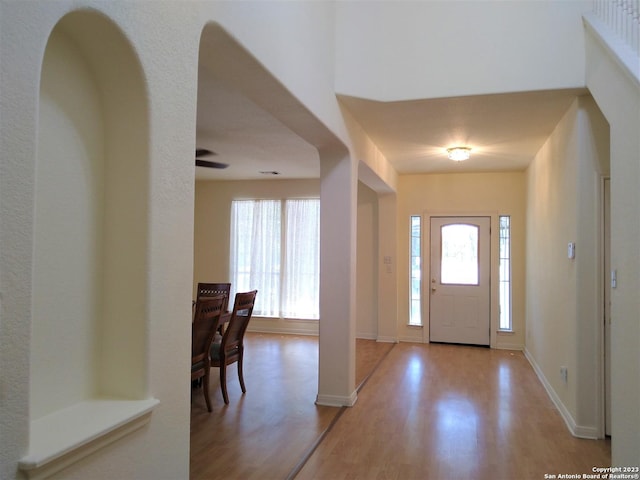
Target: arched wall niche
[[89, 326]]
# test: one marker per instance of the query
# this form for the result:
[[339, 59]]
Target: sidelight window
[[415, 303], [505, 272]]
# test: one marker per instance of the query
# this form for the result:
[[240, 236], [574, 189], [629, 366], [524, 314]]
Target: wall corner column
[[388, 271], [338, 223]]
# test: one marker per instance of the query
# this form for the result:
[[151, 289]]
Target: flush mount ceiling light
[[458, 154]]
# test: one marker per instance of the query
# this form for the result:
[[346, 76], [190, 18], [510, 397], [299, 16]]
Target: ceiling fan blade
[[203, 152], [210, 164]]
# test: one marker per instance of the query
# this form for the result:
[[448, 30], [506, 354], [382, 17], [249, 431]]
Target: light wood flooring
[[425, 412]]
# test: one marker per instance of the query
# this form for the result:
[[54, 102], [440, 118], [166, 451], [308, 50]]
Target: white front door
[[459, 307]]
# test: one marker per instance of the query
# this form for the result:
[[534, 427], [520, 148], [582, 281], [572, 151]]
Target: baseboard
[[383, 339], [366, 336], [281, 331], [589, 433], [509, 346], [576, 430], [299, 331], [337, 400], [406, 339]]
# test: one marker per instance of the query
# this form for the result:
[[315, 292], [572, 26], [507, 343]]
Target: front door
[[459, 307]]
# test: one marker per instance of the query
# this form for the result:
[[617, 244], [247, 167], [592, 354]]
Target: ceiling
[[247, 138], [505, 131]]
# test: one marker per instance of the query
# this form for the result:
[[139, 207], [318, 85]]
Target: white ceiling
[[504, 131], [247, 138]]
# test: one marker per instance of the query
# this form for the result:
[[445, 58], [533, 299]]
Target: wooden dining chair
[[231, 348], [214, 289], [203, 329]]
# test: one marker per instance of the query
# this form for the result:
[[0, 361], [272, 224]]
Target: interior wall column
[[387, 270], [338, 222]]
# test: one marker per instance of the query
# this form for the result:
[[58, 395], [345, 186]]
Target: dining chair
[[231, 348], [214, 289], [203, 329]]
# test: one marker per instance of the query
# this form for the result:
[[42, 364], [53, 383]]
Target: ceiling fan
[[201, 162]]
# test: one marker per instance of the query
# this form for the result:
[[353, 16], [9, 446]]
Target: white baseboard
[[301, 331], [337, 400], [509, 346], [407, 339], [589, 433], [575, 429], [383, 339], [282, 331], [366, 336]]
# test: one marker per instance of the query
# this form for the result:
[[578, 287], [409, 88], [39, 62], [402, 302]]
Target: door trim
[[605, 278], [493, 274]]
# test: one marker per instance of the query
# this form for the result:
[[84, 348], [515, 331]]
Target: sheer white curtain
[[301, 282], [255, 252], [287, 276]]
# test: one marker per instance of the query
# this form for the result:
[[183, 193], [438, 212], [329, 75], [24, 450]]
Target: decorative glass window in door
[[459, 257]]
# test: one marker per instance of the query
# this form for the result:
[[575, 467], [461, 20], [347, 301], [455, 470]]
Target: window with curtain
[[275, 248]]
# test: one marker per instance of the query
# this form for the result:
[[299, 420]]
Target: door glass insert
[[459, 259]]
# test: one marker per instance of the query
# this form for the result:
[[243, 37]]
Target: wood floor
[[426, 412]]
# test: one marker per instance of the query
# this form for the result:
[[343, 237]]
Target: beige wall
[[617, 94], [564, 296], [367, 265], [464, 194], [417, 56], [212, 224], [69, 231], [211, 244], [155, 169], [115, 281]]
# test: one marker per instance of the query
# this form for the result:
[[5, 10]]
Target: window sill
[[285, 319], [64, 437], [506, 332]]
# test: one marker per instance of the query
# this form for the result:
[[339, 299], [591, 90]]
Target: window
[[504, 276], [459, 263], [301, 283], [415, 316], [280, 258]]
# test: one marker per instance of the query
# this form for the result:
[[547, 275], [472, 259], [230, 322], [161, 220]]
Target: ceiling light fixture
[[459, 154]]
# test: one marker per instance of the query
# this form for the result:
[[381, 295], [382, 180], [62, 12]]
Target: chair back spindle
[[215, 289]]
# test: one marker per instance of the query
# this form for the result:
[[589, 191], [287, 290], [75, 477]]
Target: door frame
[[494, 303], [605, 283]]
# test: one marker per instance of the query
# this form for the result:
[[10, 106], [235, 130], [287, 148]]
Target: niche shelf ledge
[[64, 437]]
